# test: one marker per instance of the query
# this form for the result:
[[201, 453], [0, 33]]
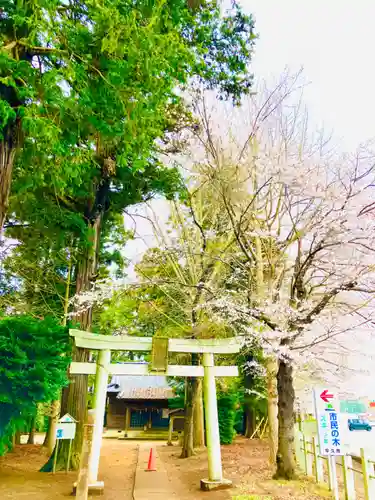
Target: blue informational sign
[[328, 419], [331, 433]]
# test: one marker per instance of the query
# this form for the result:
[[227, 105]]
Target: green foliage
[[93, 87], [228, 404], [148, 308], [253, 378], [98, 80], [35, 275], [178, 385], [176, 403], [239, 420], [33, 363], [38, 267]]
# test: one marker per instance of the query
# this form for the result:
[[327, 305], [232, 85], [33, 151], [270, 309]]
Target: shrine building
[[137, 405]]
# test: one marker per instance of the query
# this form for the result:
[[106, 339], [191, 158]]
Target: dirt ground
[[245, 463], [20, 479]]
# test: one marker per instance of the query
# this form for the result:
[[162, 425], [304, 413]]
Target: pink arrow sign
[[325, 396]]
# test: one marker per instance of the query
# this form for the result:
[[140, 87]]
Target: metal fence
[[338, 473]]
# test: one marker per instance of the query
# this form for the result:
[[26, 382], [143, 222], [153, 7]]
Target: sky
[[332, 40]]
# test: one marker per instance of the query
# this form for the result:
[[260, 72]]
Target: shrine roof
[[140, 387]]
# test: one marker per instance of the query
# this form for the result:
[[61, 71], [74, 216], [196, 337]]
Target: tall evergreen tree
[[33, 363], [89, 83], [103, 81]]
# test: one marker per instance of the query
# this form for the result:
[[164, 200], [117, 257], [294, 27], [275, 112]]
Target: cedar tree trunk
[[191, 398], [249, 420], [8, 148], [198, 416], [17, 438], [188, 444], [74, 397], [31, 439], [50, 439], [78, 387]]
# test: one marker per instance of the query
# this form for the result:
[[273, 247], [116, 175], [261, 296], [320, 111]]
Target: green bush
[[33, 365], [227, 406]]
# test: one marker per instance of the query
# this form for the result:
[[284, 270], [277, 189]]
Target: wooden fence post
[[304, 451], [367, 468], [297, 448], [308, 457], [83, 475], [332, 476], [347, 467], [319, 476]]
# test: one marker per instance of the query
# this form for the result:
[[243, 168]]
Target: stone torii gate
[[160, 347]]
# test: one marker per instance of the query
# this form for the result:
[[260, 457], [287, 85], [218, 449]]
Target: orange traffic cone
[[151, 462]]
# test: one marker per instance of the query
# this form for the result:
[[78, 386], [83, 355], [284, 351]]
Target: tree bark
[[188, 444], [74, 402], [285, 462], [74, 397], [78, 387], [198, 416], [50, 439], [87, 270], [17, 438], [272, 409], [249, 420], [8, 148], [192, 395], [31, 439], [250, 414]]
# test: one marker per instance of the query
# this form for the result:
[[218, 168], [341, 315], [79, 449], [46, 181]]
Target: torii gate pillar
[[100, 394], [215, 471]]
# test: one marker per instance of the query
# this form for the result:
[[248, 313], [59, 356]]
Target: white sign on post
[[66, 427], [328, 420]]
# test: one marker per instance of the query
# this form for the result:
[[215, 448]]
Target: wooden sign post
[[82, 485], [66, 429]]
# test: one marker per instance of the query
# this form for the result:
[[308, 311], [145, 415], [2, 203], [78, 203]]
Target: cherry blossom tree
[[301, 216]]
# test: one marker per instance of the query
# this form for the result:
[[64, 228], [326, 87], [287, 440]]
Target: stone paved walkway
[[153, 485]]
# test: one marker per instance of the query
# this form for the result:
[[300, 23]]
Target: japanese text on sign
[[328, 423]]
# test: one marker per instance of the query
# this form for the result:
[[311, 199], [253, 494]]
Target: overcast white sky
[[333, 40]]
